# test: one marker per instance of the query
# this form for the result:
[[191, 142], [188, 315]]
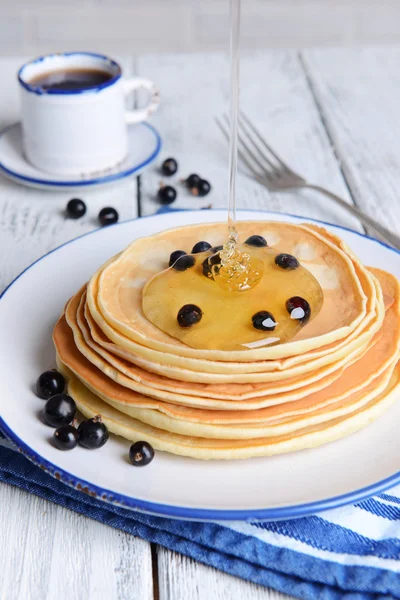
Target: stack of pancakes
[[338, 373]]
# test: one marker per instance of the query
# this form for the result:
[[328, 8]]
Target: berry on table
[[166, 194], [108, 216], [49, 383], [59, 410], [202, 188], [66, 437], [76, 208], [141, 454], [93, 433], [169, 167], [192, 181]]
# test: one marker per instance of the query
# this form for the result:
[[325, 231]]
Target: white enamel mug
[[78, 131]]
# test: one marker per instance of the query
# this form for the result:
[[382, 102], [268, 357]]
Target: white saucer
[[144, 147]]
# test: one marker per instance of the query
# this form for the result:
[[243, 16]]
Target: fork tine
[[264, 143], [254, 156], [243, 158]]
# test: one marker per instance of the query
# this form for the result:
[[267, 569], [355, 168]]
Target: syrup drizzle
[[238, 271], [234, 113]]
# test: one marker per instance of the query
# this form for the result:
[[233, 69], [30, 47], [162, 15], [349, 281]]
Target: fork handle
[[380, 231]]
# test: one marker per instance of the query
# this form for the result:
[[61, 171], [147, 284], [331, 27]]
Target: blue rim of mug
[[40, 91], [49, 183]]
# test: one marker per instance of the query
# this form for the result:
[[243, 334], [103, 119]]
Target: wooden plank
[[181, 578], [358, 91], [275, 94], [47, 552]]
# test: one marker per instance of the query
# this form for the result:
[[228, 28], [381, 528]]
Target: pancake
[[351, 403], [129, 350], [162, 387], [115, 292], [207, 371], [202, 448], [357, 376], [336, 375]]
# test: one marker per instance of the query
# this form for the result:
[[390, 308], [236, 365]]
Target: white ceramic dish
[[144, 145], [285, 486]]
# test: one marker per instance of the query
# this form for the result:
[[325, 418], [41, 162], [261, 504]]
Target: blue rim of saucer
[[199, 514], [97, 88], [84, 182]]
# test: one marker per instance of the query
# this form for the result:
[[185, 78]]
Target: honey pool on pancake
[[230, 301]]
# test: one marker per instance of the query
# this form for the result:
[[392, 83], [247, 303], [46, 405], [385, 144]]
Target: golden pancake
[[355, 377], [337, 373], [207, 371], [130, 350], [95, 340], [202, 448], [249, 430], [115, 292]]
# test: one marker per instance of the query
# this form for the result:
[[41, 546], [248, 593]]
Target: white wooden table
[[335, 115]]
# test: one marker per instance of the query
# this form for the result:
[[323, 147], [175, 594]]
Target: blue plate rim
[[200, 514], [83, 183]]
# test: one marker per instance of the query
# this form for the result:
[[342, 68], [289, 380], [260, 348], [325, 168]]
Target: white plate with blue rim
[[279, 487], [144, 145]]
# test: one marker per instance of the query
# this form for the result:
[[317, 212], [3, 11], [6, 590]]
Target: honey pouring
[[237, 295]]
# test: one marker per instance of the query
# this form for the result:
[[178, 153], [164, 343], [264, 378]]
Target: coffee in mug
[[70, 79]]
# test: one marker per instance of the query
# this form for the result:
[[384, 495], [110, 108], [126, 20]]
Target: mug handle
[[141, 114]]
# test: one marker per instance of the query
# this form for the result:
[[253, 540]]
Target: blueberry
[[49, 383], [201, 247], [264, 321], [108, 216], [189, 315], [166, 194], [192, 181], [175, 255], [287, 261], [169, 167], [299, 309], [66, 437], [141, 454], [93, 433], [209, 262], [59, 410], [202, 188], [256, 240], [184, 262], [76, 208]]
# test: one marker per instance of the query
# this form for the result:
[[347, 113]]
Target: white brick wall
[[35, 26]]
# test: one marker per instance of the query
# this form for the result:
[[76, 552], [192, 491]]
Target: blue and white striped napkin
[[351, 552]]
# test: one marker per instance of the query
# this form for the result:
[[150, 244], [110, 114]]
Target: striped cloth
[[351, 552]]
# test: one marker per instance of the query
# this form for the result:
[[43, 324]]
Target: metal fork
[[271, 171]]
